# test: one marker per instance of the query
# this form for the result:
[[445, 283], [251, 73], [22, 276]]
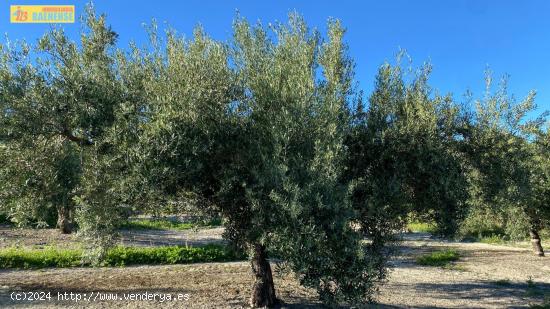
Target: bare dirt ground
[[32, 238], [486, 276]]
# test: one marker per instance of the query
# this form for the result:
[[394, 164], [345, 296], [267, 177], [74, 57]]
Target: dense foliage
[[52, 108], [509, 159], [405, 155]]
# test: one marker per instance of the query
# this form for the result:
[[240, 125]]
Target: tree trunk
[[263, 290], [535, 241], [64, 220]]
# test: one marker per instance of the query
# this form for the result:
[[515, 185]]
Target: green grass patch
[[32, 258], [423, 227], [165, 224], [156, 225], [118, 256], [441, 258], [494, 239]]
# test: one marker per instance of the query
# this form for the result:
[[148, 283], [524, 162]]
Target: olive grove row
[[267, 131]]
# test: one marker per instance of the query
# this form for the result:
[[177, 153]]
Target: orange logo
[[42, 13], [20, 15]]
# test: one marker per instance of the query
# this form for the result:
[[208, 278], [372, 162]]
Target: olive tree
[[405, 155], [254, 131], [57, 99], [508, 154], [537, 205], [529, 190]]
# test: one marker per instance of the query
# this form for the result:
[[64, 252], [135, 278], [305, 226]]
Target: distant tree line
[[268, 131]]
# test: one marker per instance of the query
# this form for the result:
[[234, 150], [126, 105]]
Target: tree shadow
[[489, 291]]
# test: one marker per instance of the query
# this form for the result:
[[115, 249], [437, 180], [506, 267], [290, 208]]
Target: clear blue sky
[[460, 38]]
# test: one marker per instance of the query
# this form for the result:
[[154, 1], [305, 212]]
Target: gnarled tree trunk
[[263, 290], [535, 241], [64, 219]]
